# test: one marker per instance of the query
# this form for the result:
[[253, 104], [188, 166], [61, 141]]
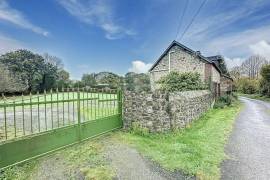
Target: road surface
[[249, 145]]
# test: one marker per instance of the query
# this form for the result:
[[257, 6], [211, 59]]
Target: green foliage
[[265, 81], [109, 79], [181, 82], [98, 173], [247, 86], [138, 130], [222, 66], [8, 82], [197, 150], [234, 95], [89, 80], [85, 158], [31, 69], [77, 84], [137, 82], [222, 101], [63, 79]]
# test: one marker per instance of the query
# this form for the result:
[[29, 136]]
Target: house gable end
[[186, 49]]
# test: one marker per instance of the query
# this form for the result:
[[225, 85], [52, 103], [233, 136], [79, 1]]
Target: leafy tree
[[109, 78], [24, 64], [9, 83], [247, 85], [129, 81], [63, 79], [265, 81], [89, 80], [176, 81], [33, 70], [137, 82], [222, 66], [77, 84]]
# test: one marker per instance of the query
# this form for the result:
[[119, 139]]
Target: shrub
[[247, 86], [234, 95], [175, 81], [138, 130], [265, 81], [223, 101]]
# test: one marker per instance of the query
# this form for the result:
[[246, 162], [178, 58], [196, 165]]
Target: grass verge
[[256, 96], [80, 161], [197, 150]]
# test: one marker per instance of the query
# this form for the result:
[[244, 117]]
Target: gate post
[[119, 99], [79, 114]]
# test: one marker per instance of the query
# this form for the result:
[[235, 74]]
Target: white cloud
[[8, 44], [212, 23], [239, 44], [139, 67], [16, 17], [217, 33], [232, 62], [96, 13], [262, 48]]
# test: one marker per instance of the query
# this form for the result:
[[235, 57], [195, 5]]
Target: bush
[[223, 101], [265, 81], [138, 130], [175, 81], [247, 86], [234, 95]]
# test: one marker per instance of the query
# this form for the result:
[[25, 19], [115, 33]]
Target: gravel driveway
[[249, 145]]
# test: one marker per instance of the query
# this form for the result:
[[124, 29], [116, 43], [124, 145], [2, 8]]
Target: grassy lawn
[[80, 161], [255, 96], [60, 96], [198, 150]]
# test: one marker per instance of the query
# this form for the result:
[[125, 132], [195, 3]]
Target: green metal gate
[[34, 125]]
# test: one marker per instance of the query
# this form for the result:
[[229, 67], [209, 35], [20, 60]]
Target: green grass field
[[31, 119], [58, 96], [197, 150]]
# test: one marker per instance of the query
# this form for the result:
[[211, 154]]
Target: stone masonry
[[159, 111], [181, 61]]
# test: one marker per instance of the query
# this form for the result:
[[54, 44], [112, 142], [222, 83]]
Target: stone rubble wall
[[225, 85], [159, 111]]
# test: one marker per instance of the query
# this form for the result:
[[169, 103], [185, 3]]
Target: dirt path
[[249, 144], [131, 165], [123, 160]]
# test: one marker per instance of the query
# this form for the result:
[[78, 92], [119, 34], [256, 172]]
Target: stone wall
[[225, 85], [159, 111], [215, 75]]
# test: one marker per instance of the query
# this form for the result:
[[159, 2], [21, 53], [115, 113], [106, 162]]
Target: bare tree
[[252, 66], [235, 72], [55, 61]]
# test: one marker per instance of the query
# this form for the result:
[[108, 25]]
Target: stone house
[[180, 58], [226, 82]]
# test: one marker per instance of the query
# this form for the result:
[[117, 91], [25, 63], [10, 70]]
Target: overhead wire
[[193, 18], [181, 19]]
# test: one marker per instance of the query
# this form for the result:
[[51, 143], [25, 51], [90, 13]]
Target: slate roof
[[214, 58]]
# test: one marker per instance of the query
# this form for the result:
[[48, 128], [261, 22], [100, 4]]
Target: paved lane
[[249, 145]]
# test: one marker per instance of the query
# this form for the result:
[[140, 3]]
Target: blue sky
[[125, 35]]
